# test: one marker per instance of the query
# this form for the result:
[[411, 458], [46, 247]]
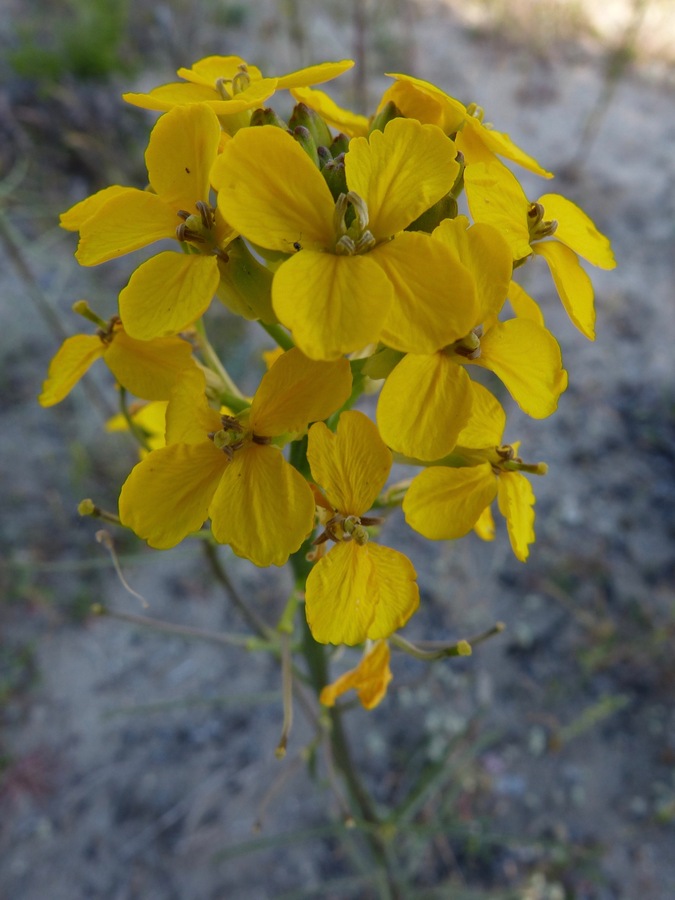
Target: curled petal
[[577, 231], [343, 120], [516, 502], [369, 679], [572, 283]]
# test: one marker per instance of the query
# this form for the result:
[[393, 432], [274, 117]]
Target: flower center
[[350, 221], [230, 87], [198, 230]]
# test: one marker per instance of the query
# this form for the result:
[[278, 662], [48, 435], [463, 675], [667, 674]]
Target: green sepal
[[388, 112], [307, 118], [303, 136], [245, 285], [445, 208]]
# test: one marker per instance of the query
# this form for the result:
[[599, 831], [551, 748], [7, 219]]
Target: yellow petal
[[434, 295], [73, 359], [345, 121], [167, 293], [487, 421], [400, 172], [271, 192], [572, 283], [524, 306], [182, 148], [444, 504], [263, 508], [297, 391], [167, 495], [577, 231], [149, 369], [332, 304], [317, 74], [189, 418], [149, 417], [351, 465], [393, 584], [424, 404], [516, 501], [127, 221], [369, 679], [211, 69], [422, 100], [486, 255], [485, 525], [338, 603], [73, 218], [495, 196], [478, 142], [527, 359], [169, 96]]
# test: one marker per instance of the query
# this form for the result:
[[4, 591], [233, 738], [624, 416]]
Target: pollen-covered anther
[[354, 530], [469, 346], [506, 451]]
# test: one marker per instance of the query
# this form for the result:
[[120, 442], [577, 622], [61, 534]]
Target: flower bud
[[388, 112], [303, 116], [304, 137]]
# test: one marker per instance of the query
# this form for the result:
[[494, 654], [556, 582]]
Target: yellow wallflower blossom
[[150, 418], [347, 285], [552, 227], [426, 399], [230, 86], [444, 503], [148, 369], [359, 589], [424, 101], [229, 469], [170, 290], [369, 679]]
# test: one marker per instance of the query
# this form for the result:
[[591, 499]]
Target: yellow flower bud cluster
[[340, 234]]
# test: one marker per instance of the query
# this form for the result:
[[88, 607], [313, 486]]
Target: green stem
[[213, 362], [279, 335]]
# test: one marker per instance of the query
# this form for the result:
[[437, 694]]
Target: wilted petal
[[369, 679], [516, 501]]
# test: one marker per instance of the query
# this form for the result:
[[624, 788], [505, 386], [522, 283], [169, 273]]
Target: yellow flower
[[345, 286], [359, 589], [425, 102], [148, 369], [150, 418], [346, 122], [495, 196], [231, 86], [426, 399], [369, 679], [444, 503], [230, 469], [170, 290]]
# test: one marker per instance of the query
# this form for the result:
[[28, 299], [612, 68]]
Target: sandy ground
[[136, 764]]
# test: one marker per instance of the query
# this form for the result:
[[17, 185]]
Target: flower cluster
[[382, 254]]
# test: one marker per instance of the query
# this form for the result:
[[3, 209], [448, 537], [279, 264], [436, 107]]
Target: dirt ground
[[135, 764]]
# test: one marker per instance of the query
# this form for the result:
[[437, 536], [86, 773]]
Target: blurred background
[[140, 764]]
